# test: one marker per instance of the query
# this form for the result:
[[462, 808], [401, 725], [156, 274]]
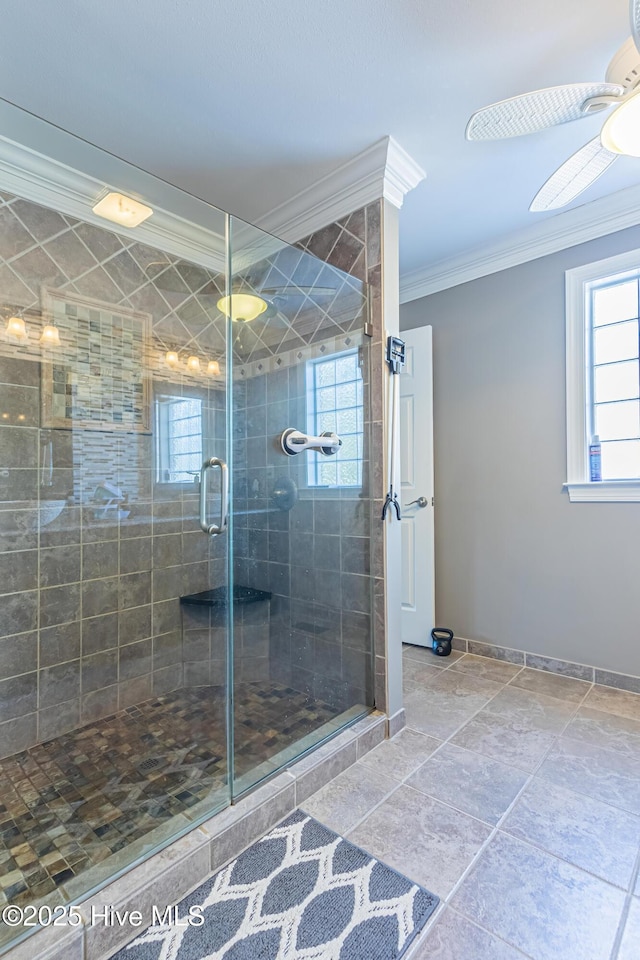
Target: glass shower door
[[302, 637], [113, 666]]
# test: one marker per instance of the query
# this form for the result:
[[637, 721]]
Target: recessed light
[[123, 210]]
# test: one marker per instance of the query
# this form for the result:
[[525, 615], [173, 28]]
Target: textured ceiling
[[245, 102]]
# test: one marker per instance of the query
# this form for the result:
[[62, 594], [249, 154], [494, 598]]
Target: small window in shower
[[178, 439], [335, 404]]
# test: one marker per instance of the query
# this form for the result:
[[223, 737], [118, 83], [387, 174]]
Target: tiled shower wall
[[89, 610]]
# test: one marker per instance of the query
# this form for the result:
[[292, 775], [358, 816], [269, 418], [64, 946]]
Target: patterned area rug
[[300, 893]]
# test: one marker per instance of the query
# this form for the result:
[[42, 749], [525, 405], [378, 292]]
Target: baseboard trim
[[567, 668], [396, 723]]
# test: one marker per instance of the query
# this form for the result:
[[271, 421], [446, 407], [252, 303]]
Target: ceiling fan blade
[[536, 110], [574, 176], [634, 16]]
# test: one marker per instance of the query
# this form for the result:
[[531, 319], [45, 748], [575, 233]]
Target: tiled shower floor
[[70, 803]]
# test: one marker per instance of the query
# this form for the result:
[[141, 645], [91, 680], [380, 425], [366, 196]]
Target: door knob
[[421, 501]]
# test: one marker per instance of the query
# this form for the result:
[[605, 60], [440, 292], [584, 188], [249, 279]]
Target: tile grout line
[[443, 906], [443, 743], [474, 715], [624, 916], [629, 894], [446, 901], [496, 830], [535, 773], [579, 704]]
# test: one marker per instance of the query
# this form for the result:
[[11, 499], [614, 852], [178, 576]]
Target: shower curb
[[169, 875]]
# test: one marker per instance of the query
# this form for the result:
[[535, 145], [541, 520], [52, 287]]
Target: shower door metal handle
[[213, 529]]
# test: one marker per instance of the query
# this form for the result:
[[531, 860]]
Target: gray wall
[[517, 564]]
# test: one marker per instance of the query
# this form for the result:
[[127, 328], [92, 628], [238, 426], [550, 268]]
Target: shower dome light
[[621, 132], [242, 306]]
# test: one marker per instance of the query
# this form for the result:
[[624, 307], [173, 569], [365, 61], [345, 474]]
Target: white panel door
[[416, 452]]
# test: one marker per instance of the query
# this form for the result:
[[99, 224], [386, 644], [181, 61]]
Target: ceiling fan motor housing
[[625, 66]]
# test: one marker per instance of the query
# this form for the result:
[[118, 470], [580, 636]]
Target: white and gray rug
[[300, 893]]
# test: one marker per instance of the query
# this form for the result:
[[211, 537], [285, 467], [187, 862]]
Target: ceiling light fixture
[[122, 210], [621, 131], [242, 306], [17, 328], [50, 336]]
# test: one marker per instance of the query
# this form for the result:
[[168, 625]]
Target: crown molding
[[383, 170], [41, 179], [587, 222]]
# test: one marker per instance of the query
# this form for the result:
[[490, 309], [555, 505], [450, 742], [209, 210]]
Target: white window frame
[[579, 487], [163, 403], [310, 399]]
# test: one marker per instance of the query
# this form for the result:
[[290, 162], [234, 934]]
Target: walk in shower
[[185, 607]]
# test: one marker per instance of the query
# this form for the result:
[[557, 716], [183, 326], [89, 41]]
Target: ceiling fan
[[269, 305], [251, 300], [541, 109]]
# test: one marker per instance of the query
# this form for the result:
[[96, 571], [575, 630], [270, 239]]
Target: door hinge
[[368, 329]]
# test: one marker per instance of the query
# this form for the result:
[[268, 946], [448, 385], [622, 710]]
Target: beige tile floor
[[514, 795]]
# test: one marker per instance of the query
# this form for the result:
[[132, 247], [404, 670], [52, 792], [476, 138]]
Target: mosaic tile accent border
[[246, 371], [97, 380]]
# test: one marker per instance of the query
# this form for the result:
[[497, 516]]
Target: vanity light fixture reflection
[[193, 363], [50, 336], [17, 328]]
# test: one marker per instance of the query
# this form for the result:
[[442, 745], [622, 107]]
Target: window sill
[[604, 491]]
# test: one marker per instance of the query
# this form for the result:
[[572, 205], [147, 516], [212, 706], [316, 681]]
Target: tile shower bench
[[204, 617]]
